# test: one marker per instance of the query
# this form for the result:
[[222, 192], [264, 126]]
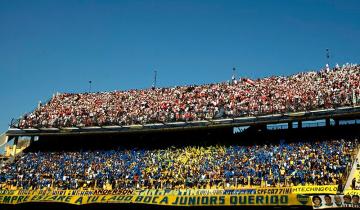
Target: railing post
[[290, 125], [32, 139], [327, 122], [15, 145], [299, 124]]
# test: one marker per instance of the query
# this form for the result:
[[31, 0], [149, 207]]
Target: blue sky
[[49, 46]]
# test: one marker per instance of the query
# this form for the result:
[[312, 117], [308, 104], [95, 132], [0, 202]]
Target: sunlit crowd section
[[327, 88]]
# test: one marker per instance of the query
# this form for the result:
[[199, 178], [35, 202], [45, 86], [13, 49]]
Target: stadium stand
[[192, 167], [195, 162], [327, 88]]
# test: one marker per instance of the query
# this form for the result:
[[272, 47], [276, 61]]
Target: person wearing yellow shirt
[[282, 171]]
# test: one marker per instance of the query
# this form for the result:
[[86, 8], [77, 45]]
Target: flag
[[249, 81]]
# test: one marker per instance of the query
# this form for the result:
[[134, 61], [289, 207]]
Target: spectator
[[235, 166], [353, 183], [299, 92]]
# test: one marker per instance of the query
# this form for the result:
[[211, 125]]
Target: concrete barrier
[[3, 139]]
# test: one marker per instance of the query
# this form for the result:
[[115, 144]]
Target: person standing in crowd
[[353, 183]]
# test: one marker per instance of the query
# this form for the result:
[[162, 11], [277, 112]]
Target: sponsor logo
[[303, 199]]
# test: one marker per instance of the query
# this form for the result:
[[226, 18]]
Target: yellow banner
[[260, 191], [210, 200], [68, 192], [325, 189], [352, 192]]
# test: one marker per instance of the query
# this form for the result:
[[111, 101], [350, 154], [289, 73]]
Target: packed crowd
[[218, 166], [327, 88]]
